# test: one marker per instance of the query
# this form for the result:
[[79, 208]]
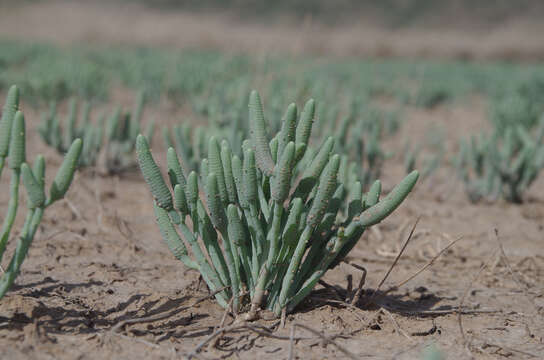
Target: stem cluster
[[272, 221], [13, 149]]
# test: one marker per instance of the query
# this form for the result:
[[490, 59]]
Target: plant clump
[[107, 144], [272, 221], [504, 164], [13, 149]]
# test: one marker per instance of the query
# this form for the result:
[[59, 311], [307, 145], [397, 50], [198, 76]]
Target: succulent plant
[[358, 139], [108, 143], [505, 163], [428, 163], [271, 225], [13, 149], [360, 142]]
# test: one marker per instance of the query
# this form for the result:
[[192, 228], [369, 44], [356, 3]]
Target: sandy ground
[[76, 22], [98, 260]]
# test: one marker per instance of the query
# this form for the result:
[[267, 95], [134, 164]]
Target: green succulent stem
[[278, 213], [13, 144], [209, 237], [288, 279], [209, 275], [13, 204]]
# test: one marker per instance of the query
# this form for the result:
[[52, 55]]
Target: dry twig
[[359, 291], [462, 300], [328, 340], [430, 263], [396, 324], [394, 263], [266, 332], [511, 271]]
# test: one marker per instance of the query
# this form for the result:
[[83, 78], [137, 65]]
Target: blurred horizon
[[387, 13], [449, 29]]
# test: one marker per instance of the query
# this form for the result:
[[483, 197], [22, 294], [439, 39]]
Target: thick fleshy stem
[[12, 210], [208, 273], [274, 238], [30, 226]]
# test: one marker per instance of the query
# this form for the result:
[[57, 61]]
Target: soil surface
[[98, 263], [98, 260]]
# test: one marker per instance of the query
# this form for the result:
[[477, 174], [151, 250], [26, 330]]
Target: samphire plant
[[108, 144], [13, 149], [502, 164], [271, 224], [427, 163], [357, 135]]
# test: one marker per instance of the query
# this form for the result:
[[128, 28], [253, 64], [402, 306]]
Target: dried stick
[[291, 342], [264, 331], [359, 291], [430, 263], [511, 271], [56, 233], [73, 209], [396, 324], [329, 341], [462, 300], [394, 263], [505, 347]]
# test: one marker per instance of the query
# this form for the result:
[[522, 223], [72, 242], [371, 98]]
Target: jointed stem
[[12, 210], [260, 240], [32, 221], [274, 239], [208, 273], [233, 265], [293, 266], [209, 237], [253, 234]]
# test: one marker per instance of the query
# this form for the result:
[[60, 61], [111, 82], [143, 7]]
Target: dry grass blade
[[430, 263], [338, 293], [266, 332], [462, 300], [359, 291], [396, 324], [328, 341], [508, 348], [374, 294], [291, 342], [60, 232], [75, 211], [512, 273], [260, 330], [226, 312], [455, 310]]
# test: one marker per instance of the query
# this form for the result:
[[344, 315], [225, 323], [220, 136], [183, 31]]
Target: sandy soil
[[99, 260], [76, 22]]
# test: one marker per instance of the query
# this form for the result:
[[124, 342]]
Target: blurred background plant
[[501, 164], [107, 144], [13, 150]]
